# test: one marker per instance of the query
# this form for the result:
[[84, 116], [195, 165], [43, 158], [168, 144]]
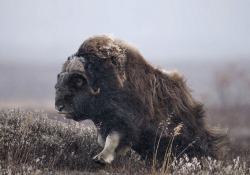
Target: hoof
[[99, 161]]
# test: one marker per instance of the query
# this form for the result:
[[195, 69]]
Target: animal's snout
[[60, 107]]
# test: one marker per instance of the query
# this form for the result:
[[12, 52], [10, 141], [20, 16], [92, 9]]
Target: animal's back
[[164, 102]]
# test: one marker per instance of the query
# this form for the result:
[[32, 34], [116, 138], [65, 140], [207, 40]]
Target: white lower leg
[[108, 153]]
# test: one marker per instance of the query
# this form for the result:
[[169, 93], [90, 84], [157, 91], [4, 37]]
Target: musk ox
[[134, 104]]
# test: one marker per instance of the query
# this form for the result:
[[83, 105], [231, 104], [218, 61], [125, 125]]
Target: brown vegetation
[[32, 144]]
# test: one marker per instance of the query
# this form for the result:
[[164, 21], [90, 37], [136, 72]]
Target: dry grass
[[30, 143]]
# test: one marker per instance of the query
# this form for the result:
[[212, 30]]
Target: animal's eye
[[79, 82]]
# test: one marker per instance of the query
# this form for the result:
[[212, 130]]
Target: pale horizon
[[162, 30]]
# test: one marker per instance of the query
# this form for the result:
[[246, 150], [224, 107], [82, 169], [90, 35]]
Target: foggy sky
[[35, 30]]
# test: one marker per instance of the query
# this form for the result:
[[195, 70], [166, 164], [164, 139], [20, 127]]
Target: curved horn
[[95, 92]]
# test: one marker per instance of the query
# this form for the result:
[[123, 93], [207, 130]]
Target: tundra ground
[[30, 143]]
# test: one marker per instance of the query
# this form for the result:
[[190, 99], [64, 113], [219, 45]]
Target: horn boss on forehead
[[73, 64]]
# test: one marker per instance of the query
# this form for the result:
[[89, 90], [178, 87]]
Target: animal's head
[[73, 90], [92, 73]]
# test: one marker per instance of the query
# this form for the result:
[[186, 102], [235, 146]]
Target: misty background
[[207, 41]]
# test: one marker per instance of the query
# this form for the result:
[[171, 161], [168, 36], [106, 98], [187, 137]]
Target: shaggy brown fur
[[140, 99]]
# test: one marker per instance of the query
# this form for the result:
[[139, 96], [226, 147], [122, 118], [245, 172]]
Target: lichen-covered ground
[[30, 143]]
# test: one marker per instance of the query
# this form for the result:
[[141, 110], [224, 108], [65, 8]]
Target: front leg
[[109, 152]]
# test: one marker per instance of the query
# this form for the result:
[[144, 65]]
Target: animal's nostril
[[60, 108]]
